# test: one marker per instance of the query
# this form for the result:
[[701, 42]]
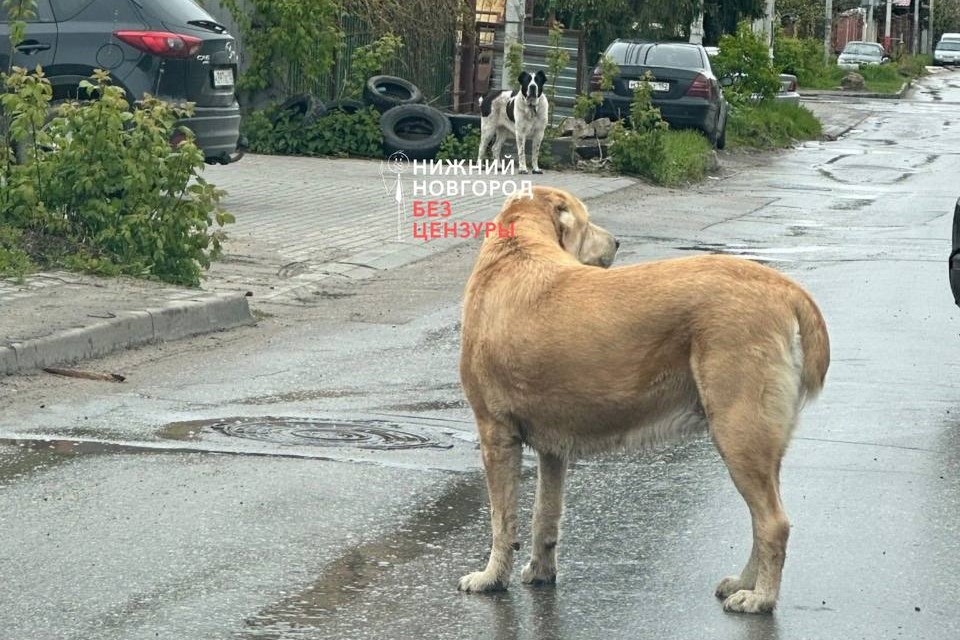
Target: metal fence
[[536, 46], [429, 65]]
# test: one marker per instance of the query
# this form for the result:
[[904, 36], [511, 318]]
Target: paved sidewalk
[[302, 221]]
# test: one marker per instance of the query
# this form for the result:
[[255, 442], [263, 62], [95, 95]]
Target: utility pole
[[930, 40], [696, 28], [886, 27], [768, 25], [827, 32], [514, 11], [871, 36], [915, 49]]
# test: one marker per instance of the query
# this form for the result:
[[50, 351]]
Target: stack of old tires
[[408, 125]]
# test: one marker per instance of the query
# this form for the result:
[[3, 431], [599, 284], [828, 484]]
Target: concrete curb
[[826, 93], [179, 319]]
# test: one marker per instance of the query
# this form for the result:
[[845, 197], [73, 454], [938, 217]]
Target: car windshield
[[656, 55], [948, 46], [863, 49]]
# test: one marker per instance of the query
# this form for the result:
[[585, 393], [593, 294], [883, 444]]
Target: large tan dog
[[570, 358]]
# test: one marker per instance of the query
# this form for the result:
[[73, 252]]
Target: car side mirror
[[726, 81]]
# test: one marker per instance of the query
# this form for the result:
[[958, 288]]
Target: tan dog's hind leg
[[547, 509], [752, 412], [501, 450]]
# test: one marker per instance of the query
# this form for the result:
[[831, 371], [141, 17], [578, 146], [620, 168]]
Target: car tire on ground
[[417, 130], [386, 92], [302, 105]]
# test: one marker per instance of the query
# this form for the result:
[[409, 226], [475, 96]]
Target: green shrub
[[638, 148], [745, 57], [464, 148], [801, 57], [336, 134], [100, 187], [369, 60], [914, 66], [770, 125], [14, 261]]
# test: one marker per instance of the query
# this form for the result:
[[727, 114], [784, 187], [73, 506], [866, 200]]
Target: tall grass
[[771, 125]]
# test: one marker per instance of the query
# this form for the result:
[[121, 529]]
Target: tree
[[602, 21]]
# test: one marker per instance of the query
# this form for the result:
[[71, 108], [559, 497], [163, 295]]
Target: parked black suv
[[172, 49]]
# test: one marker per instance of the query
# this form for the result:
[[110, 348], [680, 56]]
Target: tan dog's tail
[[815, 343]]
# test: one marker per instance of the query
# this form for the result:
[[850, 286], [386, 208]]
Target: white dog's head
[[531, 87]]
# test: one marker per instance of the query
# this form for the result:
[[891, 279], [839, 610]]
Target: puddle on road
[[362, 567], [302, 396], [370, 434]]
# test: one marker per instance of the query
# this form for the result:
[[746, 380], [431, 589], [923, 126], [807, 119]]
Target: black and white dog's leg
[[522, 151], [535, 151], [486, 135], [498, 149]]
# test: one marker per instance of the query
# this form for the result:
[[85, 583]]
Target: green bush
[[770, 125], [744, 56], [99, 186], [800, 57], [637, 148], [336, 134], [464, 148], [914, 66]]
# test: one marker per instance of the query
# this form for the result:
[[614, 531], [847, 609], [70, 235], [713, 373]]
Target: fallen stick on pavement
[[89, 375]]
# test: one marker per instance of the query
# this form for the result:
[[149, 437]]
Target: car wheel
[[722, 136], [417, 130], [386, 92]]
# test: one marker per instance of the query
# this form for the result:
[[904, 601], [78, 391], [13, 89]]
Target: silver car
[[947, 52], [858, 53]]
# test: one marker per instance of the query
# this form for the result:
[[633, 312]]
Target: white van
[[950, 37]]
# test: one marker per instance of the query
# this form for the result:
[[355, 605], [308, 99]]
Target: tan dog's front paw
[[730, 585], [538, 573], [481, 582], [745, 601]]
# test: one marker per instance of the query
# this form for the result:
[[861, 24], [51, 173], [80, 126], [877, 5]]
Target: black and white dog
[[521, 113]]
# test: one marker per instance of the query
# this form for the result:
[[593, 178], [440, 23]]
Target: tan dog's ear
[[561, 210]]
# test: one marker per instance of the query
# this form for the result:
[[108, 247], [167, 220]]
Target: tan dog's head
[[579, 237]]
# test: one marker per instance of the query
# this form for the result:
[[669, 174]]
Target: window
[[66, 9], [675, 57]]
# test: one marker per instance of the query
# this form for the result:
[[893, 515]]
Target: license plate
[[222, 78], [655, 86]]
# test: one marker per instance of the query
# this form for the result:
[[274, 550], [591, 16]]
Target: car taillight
[[792, 86], [700, 88], [161, 43], [596, 79]]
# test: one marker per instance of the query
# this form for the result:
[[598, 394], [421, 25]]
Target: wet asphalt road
[[158, 509]]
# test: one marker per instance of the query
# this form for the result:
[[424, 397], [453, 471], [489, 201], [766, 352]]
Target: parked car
[[788, 82], [946, 52], [172, 49], [684, 87], [857, 53], [954, 261]]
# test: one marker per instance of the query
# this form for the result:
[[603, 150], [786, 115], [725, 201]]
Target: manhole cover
[[372, 434]]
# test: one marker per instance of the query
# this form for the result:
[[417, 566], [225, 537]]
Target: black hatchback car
[[684, 87], [172, 49]]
